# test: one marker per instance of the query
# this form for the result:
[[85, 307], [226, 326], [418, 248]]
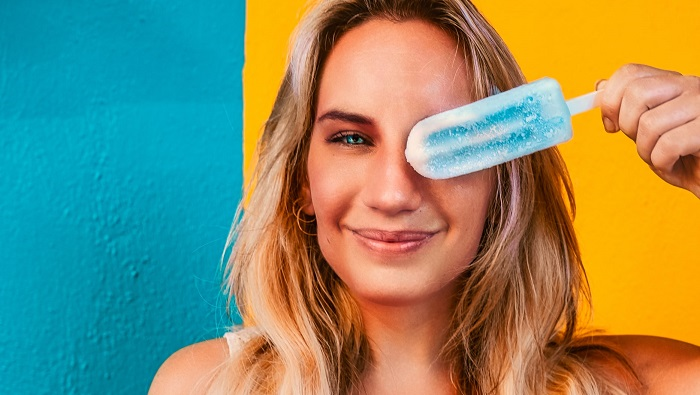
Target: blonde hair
[[514, 329]]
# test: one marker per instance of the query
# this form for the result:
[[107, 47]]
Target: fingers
[[642, 95], [660, 111], [645, 103], [615, 90], [648, 127], [681, 143]]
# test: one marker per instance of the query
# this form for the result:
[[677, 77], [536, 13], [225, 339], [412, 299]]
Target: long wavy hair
[[514, 329]]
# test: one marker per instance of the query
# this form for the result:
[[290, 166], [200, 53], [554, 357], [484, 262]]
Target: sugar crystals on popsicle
[[493, 130]]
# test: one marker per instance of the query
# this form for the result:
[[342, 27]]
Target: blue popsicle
[[493, 130]]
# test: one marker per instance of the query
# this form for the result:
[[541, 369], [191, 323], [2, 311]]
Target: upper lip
[[393, 236]]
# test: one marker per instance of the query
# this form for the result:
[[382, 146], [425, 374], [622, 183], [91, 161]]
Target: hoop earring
[[301, 221]]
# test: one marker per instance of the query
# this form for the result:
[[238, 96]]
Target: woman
[[354, 274]]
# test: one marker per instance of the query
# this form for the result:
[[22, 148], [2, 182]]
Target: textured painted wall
[[120, 169]]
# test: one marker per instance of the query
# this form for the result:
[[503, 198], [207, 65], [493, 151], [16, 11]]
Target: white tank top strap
[[238, 337]]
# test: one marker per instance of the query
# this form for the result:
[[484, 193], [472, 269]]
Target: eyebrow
[[350, 117]]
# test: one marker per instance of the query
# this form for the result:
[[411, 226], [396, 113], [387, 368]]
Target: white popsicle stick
[[581, 104]]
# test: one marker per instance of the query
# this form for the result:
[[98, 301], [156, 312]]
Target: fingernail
[[600, 84], [609, 125]]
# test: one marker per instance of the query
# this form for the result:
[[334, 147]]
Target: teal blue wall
[[120, 170]]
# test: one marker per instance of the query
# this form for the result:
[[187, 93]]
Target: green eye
[[353, 139], [349, 138]]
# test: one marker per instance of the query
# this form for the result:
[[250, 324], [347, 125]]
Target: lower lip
[[399, 247]]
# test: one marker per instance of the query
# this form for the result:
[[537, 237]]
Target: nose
[[393, 186]]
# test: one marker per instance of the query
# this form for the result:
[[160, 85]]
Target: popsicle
[[494, 130]]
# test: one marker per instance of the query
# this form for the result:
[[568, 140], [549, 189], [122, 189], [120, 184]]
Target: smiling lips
[[392, 241]]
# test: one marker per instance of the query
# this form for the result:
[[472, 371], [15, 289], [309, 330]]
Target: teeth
[[491, 131]]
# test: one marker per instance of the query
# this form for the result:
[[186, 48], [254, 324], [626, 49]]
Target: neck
[[406, 343]]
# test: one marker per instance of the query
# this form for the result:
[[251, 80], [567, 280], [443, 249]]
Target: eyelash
[[342, 138]]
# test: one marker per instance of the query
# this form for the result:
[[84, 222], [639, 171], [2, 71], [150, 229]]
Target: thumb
[[609, 124]]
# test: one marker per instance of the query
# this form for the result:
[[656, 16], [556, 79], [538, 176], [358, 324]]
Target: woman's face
[[393, 236]]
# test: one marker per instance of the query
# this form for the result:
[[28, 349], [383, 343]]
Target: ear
[[307, 203]]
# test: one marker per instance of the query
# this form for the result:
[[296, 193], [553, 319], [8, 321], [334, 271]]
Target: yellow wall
[[640, 238]]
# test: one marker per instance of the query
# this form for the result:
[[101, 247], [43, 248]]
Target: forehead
[[396, 60]]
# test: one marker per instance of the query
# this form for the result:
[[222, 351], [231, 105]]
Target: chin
[[390, 293]]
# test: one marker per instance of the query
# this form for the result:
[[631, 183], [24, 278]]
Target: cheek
[[332, 189], [475, 192], [481, 187], [330, 202]]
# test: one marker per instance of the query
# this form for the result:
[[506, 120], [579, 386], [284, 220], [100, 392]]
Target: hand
[[660, 111]]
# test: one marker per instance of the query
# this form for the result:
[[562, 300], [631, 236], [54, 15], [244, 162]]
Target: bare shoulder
[[188, 370], [665, 366]]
